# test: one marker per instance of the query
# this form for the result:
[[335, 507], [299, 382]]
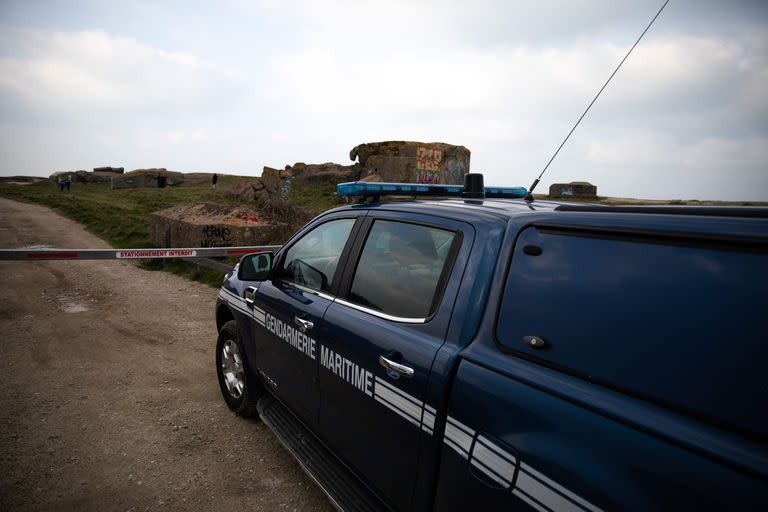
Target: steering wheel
[[314, 274]]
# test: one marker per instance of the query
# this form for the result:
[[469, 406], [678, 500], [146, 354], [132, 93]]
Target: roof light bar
[[505, 192], [365, 188]]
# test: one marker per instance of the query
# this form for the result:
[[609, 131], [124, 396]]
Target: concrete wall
[[210, 225], [165, 232]]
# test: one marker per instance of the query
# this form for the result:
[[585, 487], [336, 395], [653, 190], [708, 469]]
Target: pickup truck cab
[[492, 354]]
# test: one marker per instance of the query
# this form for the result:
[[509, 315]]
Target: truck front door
[[290, 309]]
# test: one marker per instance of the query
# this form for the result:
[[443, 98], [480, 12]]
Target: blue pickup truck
[[479, 353]]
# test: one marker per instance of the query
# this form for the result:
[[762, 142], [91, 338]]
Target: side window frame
[[343, 257], [345, 284]]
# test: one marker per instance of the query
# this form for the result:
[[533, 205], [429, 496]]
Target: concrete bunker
[[148, 178], [83, 176], [211, 225], [574, 189], [412, 162]]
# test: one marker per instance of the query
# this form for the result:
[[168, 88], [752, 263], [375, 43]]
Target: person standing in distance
[[214, 179]]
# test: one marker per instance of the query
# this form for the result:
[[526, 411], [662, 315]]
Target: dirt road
[[108, 394]]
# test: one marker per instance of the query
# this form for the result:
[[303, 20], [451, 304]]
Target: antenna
[[529, 195]]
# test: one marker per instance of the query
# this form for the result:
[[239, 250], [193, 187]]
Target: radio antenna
[[529, 195]]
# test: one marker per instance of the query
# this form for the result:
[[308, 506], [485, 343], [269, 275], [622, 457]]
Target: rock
[[577, 189], [116, 170], [302, 172], [270, 178], [245, 190], [409, 161]]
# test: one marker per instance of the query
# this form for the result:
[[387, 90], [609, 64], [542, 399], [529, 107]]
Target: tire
[[239, 387]]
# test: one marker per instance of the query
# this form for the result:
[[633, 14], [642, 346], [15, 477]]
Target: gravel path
[[108, 393]]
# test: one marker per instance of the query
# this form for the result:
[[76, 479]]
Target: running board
[[339, 484]]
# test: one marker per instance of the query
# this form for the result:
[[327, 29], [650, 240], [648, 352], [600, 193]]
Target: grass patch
[[316, 195]]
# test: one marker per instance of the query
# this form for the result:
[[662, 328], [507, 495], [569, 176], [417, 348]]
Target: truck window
[[312, 261], [400, 269], [680, 324]]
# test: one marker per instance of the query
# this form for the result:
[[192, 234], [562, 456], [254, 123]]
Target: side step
[[343, 489]]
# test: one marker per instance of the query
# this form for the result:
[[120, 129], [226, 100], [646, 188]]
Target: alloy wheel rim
[[232, 369]]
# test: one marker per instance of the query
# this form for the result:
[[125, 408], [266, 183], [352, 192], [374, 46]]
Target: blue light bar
[[505, 192], [365, 188]]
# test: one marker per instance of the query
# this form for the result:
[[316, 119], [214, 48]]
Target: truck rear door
[[379, 341]]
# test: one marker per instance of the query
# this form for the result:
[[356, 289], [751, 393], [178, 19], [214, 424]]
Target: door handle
[[390, 365], [304, 325], [250, 295]]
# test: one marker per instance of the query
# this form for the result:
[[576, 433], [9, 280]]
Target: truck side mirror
[[255, 267]]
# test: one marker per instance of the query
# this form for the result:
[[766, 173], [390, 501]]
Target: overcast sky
[[234, 86]]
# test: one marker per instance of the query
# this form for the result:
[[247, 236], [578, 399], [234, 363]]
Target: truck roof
[[513, 207], [505, 208], [737, 222]]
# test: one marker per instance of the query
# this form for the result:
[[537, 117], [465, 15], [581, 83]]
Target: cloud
[[653, 167], [93, 70], [523, 83], [708, 153]]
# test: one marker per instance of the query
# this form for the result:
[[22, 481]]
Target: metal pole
[[119, 254]]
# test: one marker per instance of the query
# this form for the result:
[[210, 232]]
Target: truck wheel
[[240, 389]]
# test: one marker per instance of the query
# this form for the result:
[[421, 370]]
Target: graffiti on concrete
[[285, 188], [426, 177], [427, 165], [249, 217], [428, 159], [216, 236]]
